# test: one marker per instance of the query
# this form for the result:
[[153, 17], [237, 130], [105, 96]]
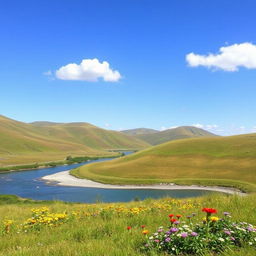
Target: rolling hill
[[139, 131], [91, 136], [155, 137], [228, 161], [26, 143]]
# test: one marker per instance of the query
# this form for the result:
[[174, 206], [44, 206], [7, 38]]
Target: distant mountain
[[140, 131], [44, 123], [43, 141], [182, 132], [91, 136]]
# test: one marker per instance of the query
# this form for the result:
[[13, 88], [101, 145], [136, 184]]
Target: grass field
[[101, 229], [225, 161]]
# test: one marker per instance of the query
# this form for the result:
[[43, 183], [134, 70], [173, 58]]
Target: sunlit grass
[[101, 229]]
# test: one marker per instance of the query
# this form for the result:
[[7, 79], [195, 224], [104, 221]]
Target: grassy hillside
[[183, 132], [91, 136], [101, 229], [22, 143], [229, 161], [139, 131]]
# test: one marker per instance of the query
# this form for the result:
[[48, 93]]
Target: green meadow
[[225, 161], [101, 229]]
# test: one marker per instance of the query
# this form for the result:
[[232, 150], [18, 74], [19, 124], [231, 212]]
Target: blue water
[[27, 184]]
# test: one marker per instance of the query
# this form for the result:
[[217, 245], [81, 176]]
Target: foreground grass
[[224, 161], [101, 229]]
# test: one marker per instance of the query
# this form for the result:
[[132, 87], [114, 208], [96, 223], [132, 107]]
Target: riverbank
[[69, 160], [65, 179]]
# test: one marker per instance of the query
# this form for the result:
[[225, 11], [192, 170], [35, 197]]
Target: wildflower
[[178, 216], [214, 219], [232, 238], [221, 239], [170, 215], [176, 222], [226, 213], [143, 226], [129, 228], [189, 217], [209, 210], [173, 220], [227, 232], [173, 230], [145, 232], [168, 239], [184, 234], [194, 234], [156, 240]]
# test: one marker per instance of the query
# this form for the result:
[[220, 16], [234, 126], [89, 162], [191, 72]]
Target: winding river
[[28, 184]]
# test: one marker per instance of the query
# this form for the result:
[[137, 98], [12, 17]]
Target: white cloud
[[88, 70], [230, 58]]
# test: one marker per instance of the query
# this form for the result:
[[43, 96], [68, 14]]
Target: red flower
[[209, 210], [178, 216], [171, 215], [143, 226], [129, 227], [173, 220]]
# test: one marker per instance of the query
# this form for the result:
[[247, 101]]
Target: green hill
[[22, 143], [140, 131], [154, 137], [228, 161], [91, 136]]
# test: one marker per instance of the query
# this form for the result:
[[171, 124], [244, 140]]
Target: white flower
[[221, 239]]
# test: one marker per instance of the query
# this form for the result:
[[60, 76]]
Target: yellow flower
[[145, 232], [214, 219]]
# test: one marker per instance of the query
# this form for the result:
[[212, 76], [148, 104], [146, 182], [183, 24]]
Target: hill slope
[[91, 136], [139, 131], [26, 143], [182, 132], [217, 160]]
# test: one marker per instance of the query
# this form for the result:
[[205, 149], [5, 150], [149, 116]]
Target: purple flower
[[167, 232], [250, 229], [194, 234], [160, 230], [227, 232], [232, 238], [177, 222], [226, 213], [168, 239], [173, 230], [184, 234]]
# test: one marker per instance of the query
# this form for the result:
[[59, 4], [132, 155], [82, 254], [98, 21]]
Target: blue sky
[[146, 42]]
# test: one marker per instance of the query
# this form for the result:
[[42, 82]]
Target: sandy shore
[[65, 179]]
